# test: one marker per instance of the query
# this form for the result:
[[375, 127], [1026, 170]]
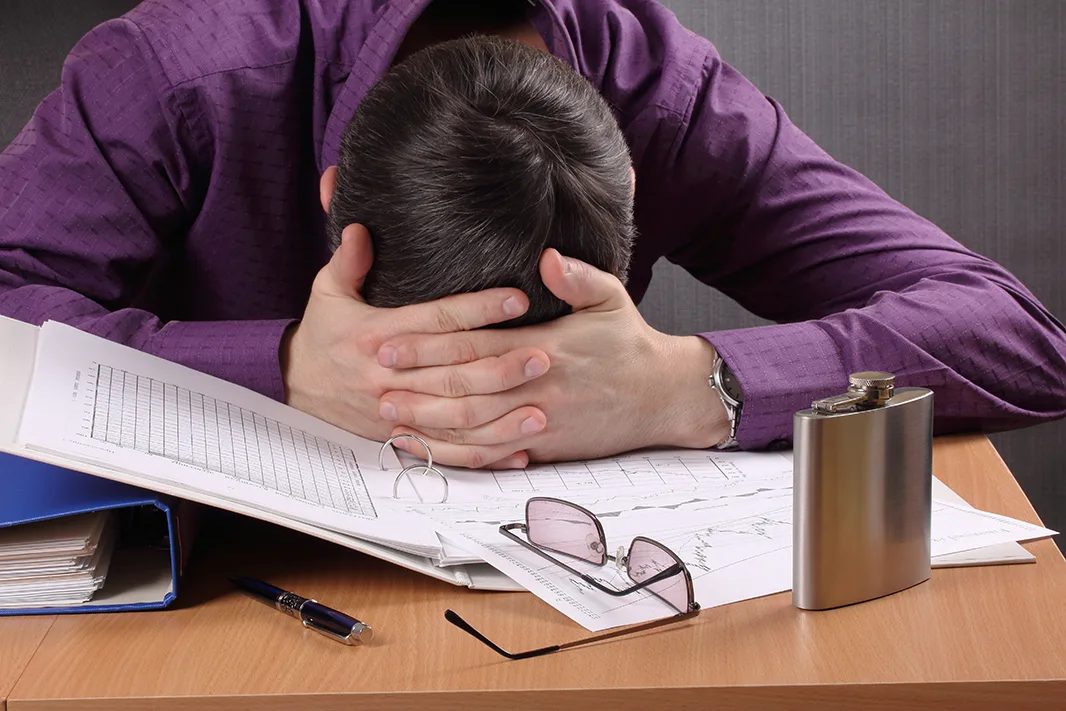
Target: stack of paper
[[56, 562]]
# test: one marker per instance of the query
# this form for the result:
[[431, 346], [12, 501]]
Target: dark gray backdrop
[[952, 106]]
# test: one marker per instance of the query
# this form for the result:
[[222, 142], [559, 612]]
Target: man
[[162, 197]]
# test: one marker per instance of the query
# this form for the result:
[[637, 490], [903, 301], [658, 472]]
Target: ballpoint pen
[[314, 615]]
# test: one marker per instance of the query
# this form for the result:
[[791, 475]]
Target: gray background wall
[[952, 106]]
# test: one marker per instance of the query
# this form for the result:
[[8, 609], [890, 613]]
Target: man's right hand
[[330, 359]]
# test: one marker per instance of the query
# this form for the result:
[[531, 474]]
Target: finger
[[511, 429], [402, 407], [454, 455], [579, 284], [461, 312], [482, 377], [518, 460], [348, 267], [420, 350]]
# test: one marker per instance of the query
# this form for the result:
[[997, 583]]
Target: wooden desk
[[992, 637], [19, 639]]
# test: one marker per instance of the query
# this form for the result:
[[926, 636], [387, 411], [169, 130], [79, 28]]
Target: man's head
[[470, 158]]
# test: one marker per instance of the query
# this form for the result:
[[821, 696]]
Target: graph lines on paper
[[623, 472], [157, 418]]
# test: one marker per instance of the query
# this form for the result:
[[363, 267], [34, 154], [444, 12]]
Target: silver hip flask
[[862, 497]]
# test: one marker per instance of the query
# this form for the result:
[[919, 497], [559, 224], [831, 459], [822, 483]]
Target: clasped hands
[[596, 382]]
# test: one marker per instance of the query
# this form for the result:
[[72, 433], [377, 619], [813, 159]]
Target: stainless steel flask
[[862, 498]]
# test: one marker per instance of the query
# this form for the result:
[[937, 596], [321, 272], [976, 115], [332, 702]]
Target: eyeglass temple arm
[[630, 630], [462, 624], [465, 626], [662, 575]]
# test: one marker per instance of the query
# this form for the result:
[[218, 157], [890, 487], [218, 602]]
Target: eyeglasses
[[563, 527]]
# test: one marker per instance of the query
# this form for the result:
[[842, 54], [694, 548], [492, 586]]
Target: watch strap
[[731, 409]]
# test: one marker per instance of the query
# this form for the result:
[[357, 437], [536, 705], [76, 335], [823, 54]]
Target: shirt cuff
[[242, 352], [781, 370]]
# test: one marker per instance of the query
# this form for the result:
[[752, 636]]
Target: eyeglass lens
[[646, 560], [560, 527]]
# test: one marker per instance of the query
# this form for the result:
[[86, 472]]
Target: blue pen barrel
[[257, 588]]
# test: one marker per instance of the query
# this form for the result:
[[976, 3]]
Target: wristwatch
[[725, 384]]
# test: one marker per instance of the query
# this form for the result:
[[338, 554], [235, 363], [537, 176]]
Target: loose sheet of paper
[[653, 472], [727, 515], [743, 553], [105, 403]]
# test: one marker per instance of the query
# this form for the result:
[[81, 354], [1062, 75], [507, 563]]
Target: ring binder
[[426, 468], [155, 532]]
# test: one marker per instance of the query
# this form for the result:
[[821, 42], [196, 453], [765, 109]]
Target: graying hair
[[471, 157]]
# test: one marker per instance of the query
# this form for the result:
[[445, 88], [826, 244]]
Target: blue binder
[[146, 567]]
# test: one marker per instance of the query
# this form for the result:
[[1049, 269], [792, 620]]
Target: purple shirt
[[166, 196]]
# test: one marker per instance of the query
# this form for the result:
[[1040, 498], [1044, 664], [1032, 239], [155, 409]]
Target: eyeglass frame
[[679, 565], [506, 529]]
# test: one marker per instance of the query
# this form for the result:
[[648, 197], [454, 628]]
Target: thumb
[[580, 284], [347, 270]]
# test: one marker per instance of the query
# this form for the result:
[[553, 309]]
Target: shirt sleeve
[[96, 193], [751, 206]]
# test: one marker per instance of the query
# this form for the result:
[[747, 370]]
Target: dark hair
[[467, 160]]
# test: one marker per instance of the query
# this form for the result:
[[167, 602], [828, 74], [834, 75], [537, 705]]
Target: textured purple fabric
[[166, 196]]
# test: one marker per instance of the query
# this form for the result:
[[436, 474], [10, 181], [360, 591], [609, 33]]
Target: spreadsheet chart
[[659, 471], [138, 412]]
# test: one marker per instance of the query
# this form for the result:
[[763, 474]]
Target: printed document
[[174, 429]]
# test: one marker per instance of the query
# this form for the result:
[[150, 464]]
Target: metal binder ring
[[425, 469]]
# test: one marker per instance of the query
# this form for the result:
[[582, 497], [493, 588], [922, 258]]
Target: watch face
[[731, 386]]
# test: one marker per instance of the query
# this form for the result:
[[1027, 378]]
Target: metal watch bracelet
[[732, 404]]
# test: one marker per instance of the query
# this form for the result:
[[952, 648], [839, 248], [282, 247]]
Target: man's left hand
[[614, 383]]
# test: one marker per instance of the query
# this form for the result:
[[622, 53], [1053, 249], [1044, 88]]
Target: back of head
[[471, 157]]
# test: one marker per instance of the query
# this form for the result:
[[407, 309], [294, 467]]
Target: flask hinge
[[866, 390]]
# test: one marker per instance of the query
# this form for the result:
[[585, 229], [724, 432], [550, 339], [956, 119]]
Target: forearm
[[242, 352], [856, 281], [95, 199], [993, 358]]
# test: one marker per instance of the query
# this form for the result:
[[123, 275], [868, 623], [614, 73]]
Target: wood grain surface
[[19, 639]]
